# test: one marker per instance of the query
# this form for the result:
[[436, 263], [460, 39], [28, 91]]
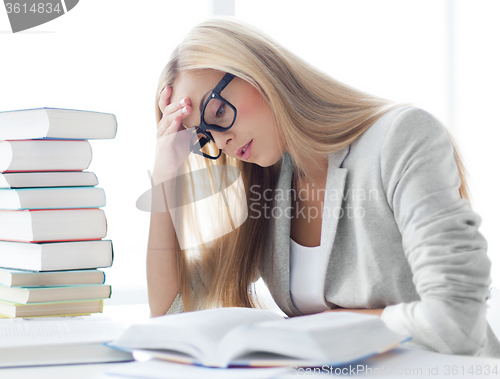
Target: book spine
[[14, 171], [112, 253]]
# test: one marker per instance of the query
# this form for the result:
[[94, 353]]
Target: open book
[[254, 337]]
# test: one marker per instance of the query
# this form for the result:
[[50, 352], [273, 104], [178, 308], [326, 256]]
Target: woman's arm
[[161, 260], [444, 248]]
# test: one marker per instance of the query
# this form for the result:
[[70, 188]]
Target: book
[[255, 337], [52, 198], [44, 155], [22, 295], [63, 308], [47, 179], [62, 354], [52, 225], [56, 123], [18, 278], [56, 255], [56, 341]]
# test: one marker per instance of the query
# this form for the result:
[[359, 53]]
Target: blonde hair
[[315, 116]]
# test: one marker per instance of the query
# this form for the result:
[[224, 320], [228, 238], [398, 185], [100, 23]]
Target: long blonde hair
[[315, 116]]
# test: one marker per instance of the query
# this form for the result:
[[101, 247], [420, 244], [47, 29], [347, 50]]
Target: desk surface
[[400, 362]]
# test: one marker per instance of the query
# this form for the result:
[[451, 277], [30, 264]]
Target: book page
[[268, 342], [320, 338], [345, 336], [19, 332], [214, 324], [193, 333]]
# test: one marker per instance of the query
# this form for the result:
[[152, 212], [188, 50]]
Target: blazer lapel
[[282, 237], [335, 183], [332, 211]]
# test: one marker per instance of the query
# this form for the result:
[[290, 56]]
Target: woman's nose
[[222, 139]]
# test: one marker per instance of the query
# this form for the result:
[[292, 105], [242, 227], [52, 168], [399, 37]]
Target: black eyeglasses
[[217, 114]]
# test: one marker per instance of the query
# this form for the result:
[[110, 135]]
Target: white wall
[[391, 48], [477, 104]]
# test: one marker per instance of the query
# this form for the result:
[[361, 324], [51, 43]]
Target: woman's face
[[254, 127]]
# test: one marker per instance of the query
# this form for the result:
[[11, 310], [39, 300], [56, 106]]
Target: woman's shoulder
[[406, 117], [399, 126]]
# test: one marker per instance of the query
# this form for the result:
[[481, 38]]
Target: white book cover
[[47, 179], [52, 198], [54, 256], [44, 155], [56, 123], [52, 225]]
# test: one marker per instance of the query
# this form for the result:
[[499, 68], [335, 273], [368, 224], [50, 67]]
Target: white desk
[[408, 362], [398, 363], [89, 371], [411, 363]]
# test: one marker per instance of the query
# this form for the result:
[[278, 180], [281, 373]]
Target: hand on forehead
[[195, 85]]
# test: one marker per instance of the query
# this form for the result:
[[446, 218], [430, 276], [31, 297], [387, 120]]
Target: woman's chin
[[269, 162]]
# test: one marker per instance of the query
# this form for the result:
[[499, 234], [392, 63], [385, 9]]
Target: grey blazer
[[396, 235]]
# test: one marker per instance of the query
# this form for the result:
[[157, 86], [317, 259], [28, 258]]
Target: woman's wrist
[[376, 312]]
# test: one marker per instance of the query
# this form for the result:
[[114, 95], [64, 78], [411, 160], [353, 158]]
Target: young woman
[[354, 203]]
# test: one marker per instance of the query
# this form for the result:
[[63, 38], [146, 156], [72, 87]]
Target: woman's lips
[[248, 151], [245, 155]]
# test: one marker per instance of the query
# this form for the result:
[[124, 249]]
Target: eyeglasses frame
[[204, 128]]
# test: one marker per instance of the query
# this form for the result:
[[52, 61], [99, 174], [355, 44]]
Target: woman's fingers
[[172, 123], [164, 102], [164, 98], [173, 113], [175, 106], [175, 125], [172, 147]]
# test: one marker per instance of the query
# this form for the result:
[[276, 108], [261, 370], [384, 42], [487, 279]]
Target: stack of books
[[51, 224]]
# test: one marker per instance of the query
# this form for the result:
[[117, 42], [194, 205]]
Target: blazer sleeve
[[177, 305], [446, 252]]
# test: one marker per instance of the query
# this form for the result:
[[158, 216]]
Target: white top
[[304, 287]]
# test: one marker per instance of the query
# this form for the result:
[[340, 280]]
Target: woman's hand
[[172, 144], [376, 312]]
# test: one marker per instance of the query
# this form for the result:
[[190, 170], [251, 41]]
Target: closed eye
[[220, 111]]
